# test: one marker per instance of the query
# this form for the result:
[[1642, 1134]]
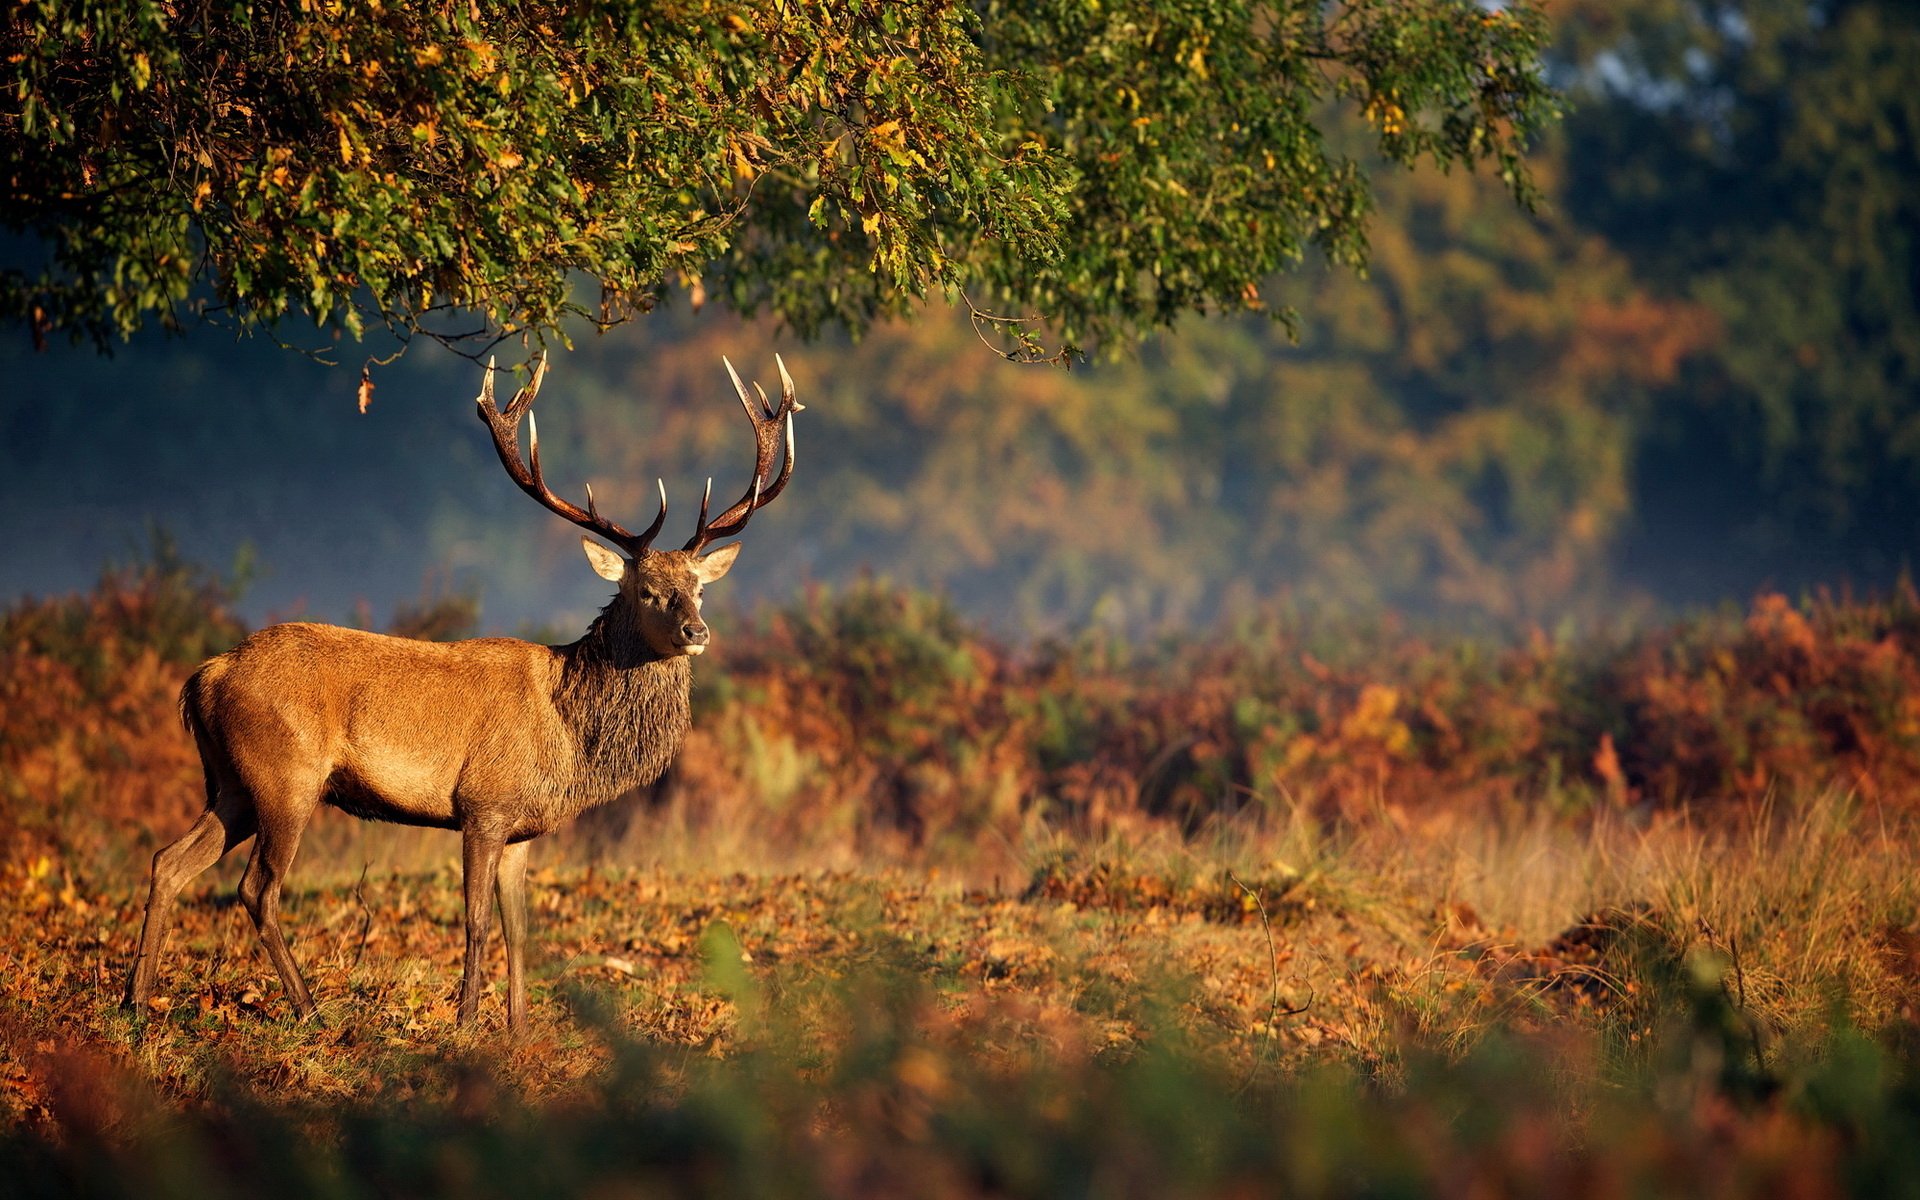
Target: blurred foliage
[[1761, 158], [976, 741], [163, 604], [89, 694], [884, 721], [437, 617], [1109, 167], [1222, 468]]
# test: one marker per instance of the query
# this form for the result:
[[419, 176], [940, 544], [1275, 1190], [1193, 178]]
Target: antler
[[768, 420], [506, 440]]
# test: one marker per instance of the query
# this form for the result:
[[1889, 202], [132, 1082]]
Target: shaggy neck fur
[[627, 708]]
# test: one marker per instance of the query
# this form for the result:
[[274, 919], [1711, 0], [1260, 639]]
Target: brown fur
[[501, 739]]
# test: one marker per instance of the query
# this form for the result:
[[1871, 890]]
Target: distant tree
[[456, 168], [1762, 157]]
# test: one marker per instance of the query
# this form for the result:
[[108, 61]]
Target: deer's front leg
[[480, 852]]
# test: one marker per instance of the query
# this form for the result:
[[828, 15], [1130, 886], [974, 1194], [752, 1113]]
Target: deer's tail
[[193, 716], [190, 701]]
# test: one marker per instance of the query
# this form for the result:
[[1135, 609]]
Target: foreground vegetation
[[1344, 912], [1469, 1006]]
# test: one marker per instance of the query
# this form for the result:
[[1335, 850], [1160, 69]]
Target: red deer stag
[[500, 739]]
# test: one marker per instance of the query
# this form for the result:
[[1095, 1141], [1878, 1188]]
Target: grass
[[1383, 1007], [1371, 926]]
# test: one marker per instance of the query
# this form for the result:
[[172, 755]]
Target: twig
[[1746, 1014], [1031, 352], [366, 916], [1739, 996], [1274, 1010]]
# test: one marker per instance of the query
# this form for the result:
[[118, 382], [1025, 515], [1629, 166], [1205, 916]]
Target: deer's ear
[[606, 564], [714, 565]]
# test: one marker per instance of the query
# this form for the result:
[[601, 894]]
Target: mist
[[1219, 471]]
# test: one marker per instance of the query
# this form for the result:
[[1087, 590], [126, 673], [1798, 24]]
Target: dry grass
[[1444, 925], [1278, 981]]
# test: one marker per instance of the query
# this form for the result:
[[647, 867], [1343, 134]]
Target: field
[[1336, 911]]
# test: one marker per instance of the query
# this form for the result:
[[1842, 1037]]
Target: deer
[[500, 739]]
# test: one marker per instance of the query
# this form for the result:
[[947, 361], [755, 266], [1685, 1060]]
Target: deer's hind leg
[[283, 813], [511, 883], [227, 821]]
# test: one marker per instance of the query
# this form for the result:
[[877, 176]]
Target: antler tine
[[700, 534], [746, 401], [753, 505], [786, 468], [770, 422], [523, 399], [653, 530], [787, 400], [533, 452], [734, 519], [527, 475]]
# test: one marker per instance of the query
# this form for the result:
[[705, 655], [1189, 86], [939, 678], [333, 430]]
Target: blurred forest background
[[1687, 378]]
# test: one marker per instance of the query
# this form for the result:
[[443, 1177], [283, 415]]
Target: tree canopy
[[1689, 374], [1106, 166]]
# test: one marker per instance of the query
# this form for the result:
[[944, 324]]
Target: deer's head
[[661, 589]]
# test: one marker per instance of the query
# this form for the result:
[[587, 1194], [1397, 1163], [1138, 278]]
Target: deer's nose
[[694, 633]]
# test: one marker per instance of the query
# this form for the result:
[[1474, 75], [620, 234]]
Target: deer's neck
[[627, 708]]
